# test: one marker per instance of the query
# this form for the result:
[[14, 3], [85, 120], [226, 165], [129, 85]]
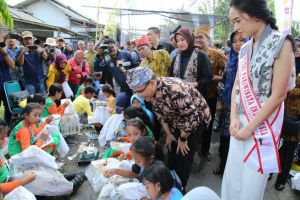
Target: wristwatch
[[182, 139]]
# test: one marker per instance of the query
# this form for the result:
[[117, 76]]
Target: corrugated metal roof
[[18, 14]]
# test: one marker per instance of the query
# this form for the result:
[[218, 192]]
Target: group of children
[[144, 151]]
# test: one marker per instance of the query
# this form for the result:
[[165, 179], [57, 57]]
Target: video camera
[[9, 36], [32, 47]]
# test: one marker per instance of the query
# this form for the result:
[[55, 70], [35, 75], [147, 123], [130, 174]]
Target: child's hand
[[109, 172], [122, 156], [66, 103], [29, 176], [44, 136], [121, 139], [49, 119]]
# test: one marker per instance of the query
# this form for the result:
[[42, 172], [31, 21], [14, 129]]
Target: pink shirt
[[77, 69]]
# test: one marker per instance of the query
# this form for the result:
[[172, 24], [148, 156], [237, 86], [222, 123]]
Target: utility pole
[[97, 25]]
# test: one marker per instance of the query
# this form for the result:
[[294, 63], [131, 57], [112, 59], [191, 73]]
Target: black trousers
[[206, 137], [224, 148], [7, 114], [286, 154], [182, 164]]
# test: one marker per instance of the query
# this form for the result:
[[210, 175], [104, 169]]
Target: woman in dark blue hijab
[[226, 87]]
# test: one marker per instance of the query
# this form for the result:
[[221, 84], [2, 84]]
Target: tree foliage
[[5, 18]]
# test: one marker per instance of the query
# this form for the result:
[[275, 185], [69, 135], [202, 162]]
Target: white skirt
[[239, 181]]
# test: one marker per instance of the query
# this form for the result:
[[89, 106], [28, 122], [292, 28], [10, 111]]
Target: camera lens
[[51, 50], [2, 44]]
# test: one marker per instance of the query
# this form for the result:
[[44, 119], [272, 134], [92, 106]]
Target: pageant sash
[[263, 156]]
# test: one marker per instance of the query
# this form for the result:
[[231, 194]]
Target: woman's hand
[[66, 103], [182, 147], [234, 126], [244, 134]]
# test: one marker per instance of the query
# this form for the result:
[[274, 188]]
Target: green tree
[[112, 25], [5, 18]]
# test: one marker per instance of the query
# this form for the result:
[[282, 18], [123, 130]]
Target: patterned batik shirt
[[160, 63], [180, 105], [218, 61]]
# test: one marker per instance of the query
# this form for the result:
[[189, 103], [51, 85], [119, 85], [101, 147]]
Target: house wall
[[49, 13]]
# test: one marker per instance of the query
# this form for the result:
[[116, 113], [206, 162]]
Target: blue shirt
[[33, 67], [119, 76], [175, 194], [4, 68]]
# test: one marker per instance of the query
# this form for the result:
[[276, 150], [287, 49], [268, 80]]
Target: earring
[[257, 20]]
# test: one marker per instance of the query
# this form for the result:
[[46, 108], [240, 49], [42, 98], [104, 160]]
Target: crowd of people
[[170, 93]]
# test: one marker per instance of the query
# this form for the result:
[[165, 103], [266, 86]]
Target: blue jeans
[[37, 88]]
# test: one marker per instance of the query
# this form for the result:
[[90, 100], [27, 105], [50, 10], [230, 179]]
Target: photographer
[[52, 52], [99, 65], [7, 62], [64, 47], [118, 62], [31, 57]]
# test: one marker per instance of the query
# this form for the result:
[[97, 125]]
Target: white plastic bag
[[94, 172], [120, 146], [101, 115], [112, 184], [296, 182], [69, 110], [132, 190], [63, 148], [109, 128], [20, 193], [67, 90], [49, 181]]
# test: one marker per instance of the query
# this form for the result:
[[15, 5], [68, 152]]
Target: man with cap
[[153, 35], [218, 61], [118, 62], [31, 58], [7, 62], [158, 60], [180, 108], [64, 47]]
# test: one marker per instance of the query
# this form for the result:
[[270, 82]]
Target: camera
[[32, 47], [37, 42], [2, 44], [51, 50], [14, 36]]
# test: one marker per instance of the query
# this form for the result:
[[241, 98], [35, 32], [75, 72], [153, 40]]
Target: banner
[[283, 11]]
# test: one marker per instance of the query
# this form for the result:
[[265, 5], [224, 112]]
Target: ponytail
[[272, 22]]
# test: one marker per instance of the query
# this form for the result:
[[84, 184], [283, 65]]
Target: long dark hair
[[159, 173], [133, 112], [256, 8], [147, 147]]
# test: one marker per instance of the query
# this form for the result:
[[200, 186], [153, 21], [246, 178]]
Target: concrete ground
[[205, 177]]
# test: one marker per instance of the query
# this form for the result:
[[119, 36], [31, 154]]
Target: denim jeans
[[37, 88]]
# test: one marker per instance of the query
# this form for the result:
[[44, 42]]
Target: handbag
[[17, 97], [291, 124]]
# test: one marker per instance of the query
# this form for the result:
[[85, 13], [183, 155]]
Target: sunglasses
[[142, 90]]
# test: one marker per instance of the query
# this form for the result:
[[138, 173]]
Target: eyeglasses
[[142, 90]]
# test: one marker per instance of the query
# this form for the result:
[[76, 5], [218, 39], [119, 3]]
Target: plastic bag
[[112, 184], [120, 146], [63, 148], [94, 172], [20, 193], [67, 90], [70, 125], [109, 128], [296, 182], [69, 110], [101, 115], [132, 191], [49, 181]]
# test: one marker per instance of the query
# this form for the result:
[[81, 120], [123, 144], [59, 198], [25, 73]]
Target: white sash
[[263, 156]]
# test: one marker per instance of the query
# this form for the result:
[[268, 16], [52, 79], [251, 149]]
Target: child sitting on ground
[[6, 187], [22, 135], [82, 102], [88, 81], [55, 93], [144, 151], [135, 128], [110, 95], [159, 183]]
